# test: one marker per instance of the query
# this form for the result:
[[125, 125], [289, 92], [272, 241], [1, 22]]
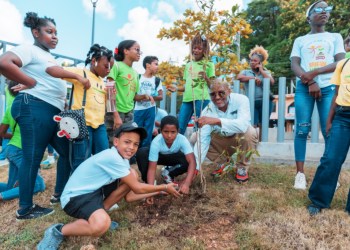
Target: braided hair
[[32, 21], [96, 51], [202, 41]]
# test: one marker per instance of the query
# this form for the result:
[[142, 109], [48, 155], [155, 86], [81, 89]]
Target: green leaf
[[234, 9]]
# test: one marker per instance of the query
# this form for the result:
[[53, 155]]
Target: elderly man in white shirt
[[223, 122]]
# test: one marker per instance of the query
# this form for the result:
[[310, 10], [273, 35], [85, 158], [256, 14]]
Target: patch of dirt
[[191, 217]]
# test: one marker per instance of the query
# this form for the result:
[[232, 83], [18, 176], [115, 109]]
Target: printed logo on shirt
[[316, 65], [99, 93], [131, 83], [315, 50]]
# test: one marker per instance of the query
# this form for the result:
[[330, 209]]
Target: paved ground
[[3, 163], [283, 153]]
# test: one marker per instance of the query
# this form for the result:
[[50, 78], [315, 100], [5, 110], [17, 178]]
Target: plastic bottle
[[110, 103]]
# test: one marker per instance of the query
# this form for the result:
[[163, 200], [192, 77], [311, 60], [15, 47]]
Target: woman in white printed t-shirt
[[313, 60]]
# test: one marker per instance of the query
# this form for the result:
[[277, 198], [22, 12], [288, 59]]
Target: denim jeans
[[109, 122], [186, 112], [163, 159], [258, 107], [50, 149], [324, 184], [304, 106], [38, 130], [145, 118], [10, 190], [3, 149], [98, 141]]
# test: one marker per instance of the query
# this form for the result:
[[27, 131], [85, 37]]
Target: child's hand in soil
[[184, 189], [171, 189]]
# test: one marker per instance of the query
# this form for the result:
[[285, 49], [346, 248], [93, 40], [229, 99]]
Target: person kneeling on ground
[[97, 184], [225, 124], [170, 149]]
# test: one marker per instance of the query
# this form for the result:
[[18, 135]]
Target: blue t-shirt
[[158, 146], [94, 173]]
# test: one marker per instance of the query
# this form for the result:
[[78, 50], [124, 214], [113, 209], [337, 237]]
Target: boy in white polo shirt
[[97, 184]]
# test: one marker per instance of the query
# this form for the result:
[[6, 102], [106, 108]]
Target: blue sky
[[115, 20]]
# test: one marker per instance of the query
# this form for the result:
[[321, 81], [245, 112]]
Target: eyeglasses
[[220, 93], [319, 10], [138, 51]]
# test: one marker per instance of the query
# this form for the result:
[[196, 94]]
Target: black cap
[[129, 127]]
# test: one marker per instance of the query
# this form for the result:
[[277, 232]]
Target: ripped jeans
[[304, 106]]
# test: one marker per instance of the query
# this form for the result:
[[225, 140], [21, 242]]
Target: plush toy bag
[[72, 124]]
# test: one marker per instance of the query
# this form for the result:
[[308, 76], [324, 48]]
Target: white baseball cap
[[311, 6]]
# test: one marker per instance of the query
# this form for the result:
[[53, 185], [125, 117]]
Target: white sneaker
[[114, 207], [166, 175], [300, 181], [338, 185], [46, 164]]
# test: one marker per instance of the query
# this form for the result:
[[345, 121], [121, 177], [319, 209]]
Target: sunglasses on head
[[220, 93], [319, 10]]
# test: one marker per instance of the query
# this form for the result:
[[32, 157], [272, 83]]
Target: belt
[[344, 108]]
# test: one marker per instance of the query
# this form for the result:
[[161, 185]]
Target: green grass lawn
[[266, 213]]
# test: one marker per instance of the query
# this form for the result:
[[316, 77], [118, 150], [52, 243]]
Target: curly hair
[[202, 41], [260, 52]]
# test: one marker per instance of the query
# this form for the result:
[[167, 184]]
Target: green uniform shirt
[[200, 86], [127, 84], [8, 97], [16, 134]]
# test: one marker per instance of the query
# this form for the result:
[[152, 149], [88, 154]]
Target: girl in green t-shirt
[[126, 82], [198, 73]]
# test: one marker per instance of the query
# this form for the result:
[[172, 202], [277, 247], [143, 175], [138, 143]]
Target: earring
[[95, 64]]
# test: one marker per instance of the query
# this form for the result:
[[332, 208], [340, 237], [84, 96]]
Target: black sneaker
[[55, 199], [313, 210], [35, 212]]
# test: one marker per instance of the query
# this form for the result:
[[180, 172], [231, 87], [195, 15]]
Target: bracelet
[[309, 84]]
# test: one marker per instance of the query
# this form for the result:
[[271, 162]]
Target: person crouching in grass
[[97, 184], [171, 149]]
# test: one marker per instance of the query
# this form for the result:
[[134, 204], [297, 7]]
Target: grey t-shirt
[[258, 89]]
